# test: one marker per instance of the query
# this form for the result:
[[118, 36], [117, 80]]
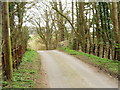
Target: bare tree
[[45, 31]]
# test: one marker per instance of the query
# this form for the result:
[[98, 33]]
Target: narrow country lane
[[66, 71]]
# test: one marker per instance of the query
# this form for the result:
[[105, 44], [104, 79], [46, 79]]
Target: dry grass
[[36, 43]]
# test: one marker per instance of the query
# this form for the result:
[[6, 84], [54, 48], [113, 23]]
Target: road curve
[[66, 71]]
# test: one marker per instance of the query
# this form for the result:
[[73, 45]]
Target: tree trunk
[[61, 23], [116, 30], [46, 45], [97, 31], [119, 15], [109, 52], [76, 42], [0, 43], [115, 22], [82, 25], [7, 41], [93, 45], [0, 30], [103, 51], [72, 31]]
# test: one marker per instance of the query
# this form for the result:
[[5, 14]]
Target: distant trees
[[50, 26], [91, 27], [44, 24]]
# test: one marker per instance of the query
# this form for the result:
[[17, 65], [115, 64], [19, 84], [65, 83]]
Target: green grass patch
[[29, 55], [24, 76], [110, 65]]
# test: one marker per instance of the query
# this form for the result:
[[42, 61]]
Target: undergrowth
[[110, 65], [24, 76]]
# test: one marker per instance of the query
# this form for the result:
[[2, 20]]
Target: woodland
[[89, 27]]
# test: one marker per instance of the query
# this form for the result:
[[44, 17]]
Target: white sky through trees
[[38, 9], [61, 0]]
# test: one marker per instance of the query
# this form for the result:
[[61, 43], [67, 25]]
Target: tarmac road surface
[[66, 71]]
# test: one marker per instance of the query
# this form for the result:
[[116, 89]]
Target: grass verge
[[27, 73], [107, 65]]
